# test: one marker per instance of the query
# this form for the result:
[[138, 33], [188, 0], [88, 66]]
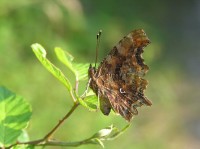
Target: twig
[[61, 121], [46, 140], [72, 95], [59, 143]]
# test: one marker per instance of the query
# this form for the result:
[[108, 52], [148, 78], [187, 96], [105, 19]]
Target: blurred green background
[[173, 122]]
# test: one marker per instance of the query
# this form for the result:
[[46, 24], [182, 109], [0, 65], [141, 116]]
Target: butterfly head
[[91, 71]]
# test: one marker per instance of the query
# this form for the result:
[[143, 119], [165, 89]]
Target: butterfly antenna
[[97, 47]]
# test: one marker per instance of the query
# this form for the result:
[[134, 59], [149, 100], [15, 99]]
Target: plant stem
[[61, 121], [46, 139], [72, 95], [59, 143], [76, 86]]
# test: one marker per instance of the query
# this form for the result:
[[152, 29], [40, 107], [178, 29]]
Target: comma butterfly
[[118, 81]]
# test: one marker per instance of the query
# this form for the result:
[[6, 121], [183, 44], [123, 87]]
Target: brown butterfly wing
[[122, 98], [118, 81]]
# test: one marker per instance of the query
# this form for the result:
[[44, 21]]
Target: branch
[[61, 121], [59, 143], [46, 139]]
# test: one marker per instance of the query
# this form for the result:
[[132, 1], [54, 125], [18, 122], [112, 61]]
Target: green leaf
[[15, 114], [80, 70], [41, 55], [98, 141], [65, 58], [90, 102], [109, 133], [116, 132], [103, 132], [23, 137]]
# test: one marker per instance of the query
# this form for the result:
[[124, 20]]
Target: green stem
[[61, 121], [46, 138], [59, 143]]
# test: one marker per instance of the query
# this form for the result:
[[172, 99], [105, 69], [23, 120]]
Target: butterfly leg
[[87, 87]]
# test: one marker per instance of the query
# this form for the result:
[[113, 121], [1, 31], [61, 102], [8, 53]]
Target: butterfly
[[118, 81]]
